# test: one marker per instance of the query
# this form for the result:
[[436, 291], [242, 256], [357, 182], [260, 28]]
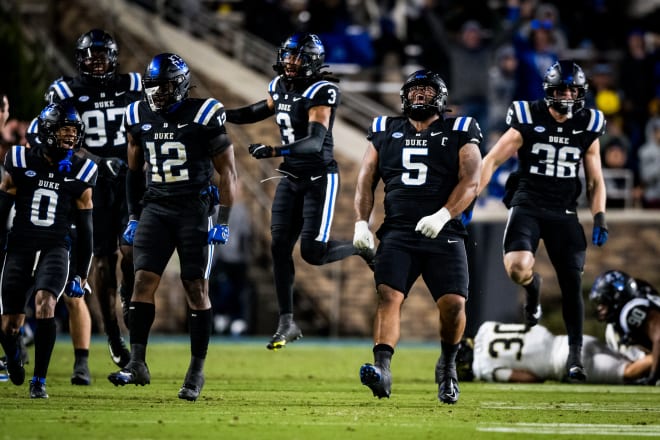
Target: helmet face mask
[[96, 55], [423, 95], [166, 82], [562, 76], [60, 130], [612, 289], [300, 57]]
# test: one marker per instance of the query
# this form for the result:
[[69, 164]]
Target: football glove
[[260, 151], [599, 236], [219, 234], [74, 288], [431, 225], [363, 238], [213, 193], [110, 167], [129, 232]]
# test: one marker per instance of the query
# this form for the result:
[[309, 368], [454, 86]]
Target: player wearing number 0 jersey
[[516, 353]]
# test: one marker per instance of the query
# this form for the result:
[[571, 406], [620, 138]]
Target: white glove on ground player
[[431, 225], [363, 238]]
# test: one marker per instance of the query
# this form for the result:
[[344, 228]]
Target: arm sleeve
[[312, 143], [6, 202], [249, 114], [135, 186], [84, 242]]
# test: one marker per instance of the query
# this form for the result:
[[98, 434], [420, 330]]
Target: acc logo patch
[[83, 98], [539, 129], [30, 173], [397, 135], [146, 127]]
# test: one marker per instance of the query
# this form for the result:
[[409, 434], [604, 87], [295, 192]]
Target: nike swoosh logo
[[66, 179], [181, 125], [577, 131], [435, 133], [296, 99], [570, 212], [119, 93], [452, 241], [315, 178]]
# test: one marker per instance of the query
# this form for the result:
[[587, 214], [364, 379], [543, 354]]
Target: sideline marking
[[574, 429]]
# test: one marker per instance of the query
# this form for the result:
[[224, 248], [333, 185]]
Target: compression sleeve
[[312, 143], [135, 186], [84, 242], [252, 113]]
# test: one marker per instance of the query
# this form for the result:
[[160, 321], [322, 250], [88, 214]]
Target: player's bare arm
[[469, 172], [594, 178], [366, 183], [225, 165], [506, 146]]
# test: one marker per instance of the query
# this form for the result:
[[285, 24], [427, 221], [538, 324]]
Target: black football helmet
[[565, 74], [435, 105], [96, 55], [613, 289], [464, 359], [304, 48], [51, 119], [166, 82]]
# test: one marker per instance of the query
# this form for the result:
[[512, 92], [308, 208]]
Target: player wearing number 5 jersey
[[100, 94], [304, 102], [181, 141], [551, 138], [517, 353]]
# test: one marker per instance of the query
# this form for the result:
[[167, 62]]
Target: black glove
[[110, 167], [261, 151]]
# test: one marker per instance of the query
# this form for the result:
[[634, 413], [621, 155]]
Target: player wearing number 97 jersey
[[551, 138], [507, 352]]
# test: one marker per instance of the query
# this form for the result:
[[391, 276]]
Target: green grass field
[[311, 390]]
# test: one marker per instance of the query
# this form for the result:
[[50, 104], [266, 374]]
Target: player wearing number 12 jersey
[[552, 137], [100, 94]]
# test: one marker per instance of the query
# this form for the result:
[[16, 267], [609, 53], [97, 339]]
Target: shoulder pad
[[206, 111], [462, 123], [133, 113], [272, 85], [17, 156], [87, 171], [523, 112], [596, 121], [314, 88], [62, 89], [136, 82], [379, 124]]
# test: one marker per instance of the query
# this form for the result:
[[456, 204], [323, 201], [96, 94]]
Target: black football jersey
[[551, 154], [292, 116], [101, 108], [178, 147], [632, 320], [419, 169], [45, 197]]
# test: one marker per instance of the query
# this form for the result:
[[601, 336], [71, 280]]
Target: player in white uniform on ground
[[505, 352]]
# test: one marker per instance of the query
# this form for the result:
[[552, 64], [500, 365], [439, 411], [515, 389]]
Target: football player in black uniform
[[430, 167], [552, 136], [181, 140], [100, 94], [48, 185], [633, 307], [304, 103]]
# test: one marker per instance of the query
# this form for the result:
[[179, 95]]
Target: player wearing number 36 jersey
[[515, 353], [551, 138]]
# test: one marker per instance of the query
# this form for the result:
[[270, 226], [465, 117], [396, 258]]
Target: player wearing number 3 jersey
[[551, 138]]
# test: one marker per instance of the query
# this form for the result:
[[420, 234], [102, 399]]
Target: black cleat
[[134, 372], [118, 352], [576, 374], [378, 379], [38, 389], [532, 315], [15, 369], [81, 375], [369, 257], [284, 334], [448, 390], [192, 385]]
